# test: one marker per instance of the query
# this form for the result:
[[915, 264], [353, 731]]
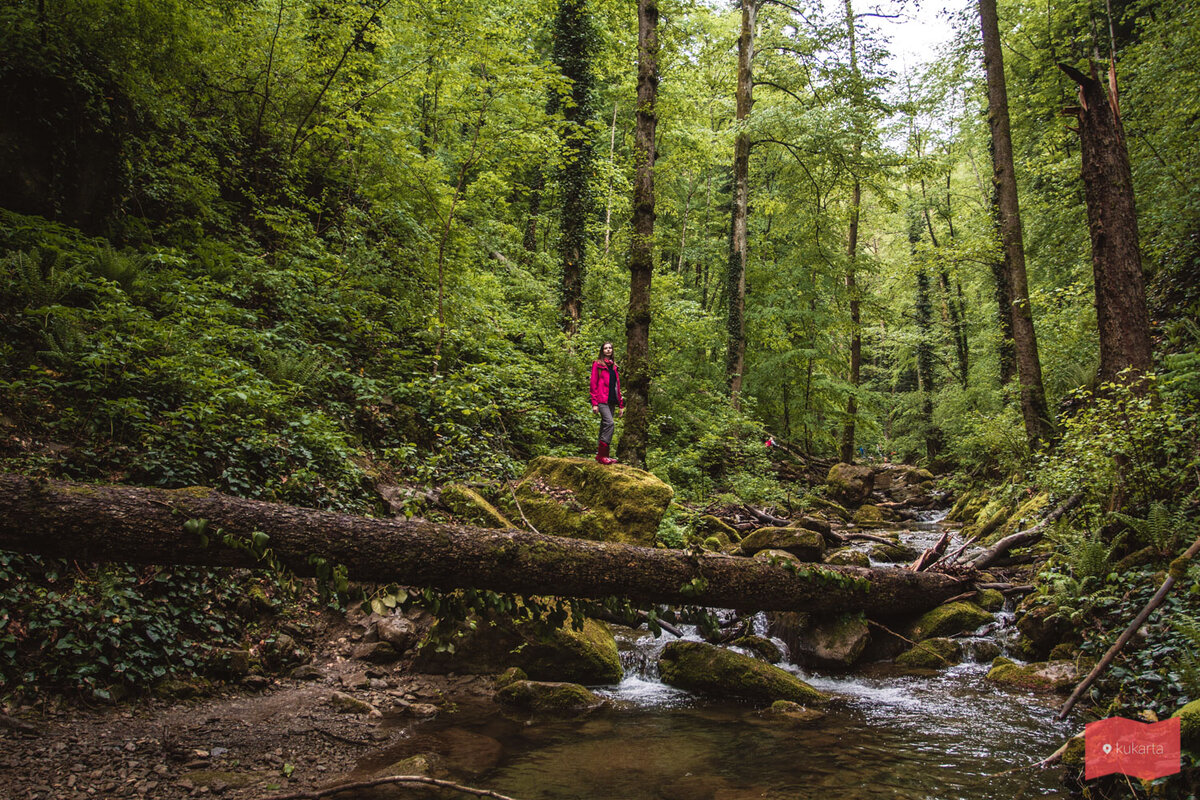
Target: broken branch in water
[[391, 779]]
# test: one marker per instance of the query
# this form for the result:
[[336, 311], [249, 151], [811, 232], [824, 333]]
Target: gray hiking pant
[[606, 423]]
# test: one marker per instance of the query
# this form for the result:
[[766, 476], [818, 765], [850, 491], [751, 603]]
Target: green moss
[[712, 670], [931, 654], [471, 506], [948, 620], [848, 557], [1043, 676], [761, 647], [1022, 517], [708, 525], [579, 498], [551, 697], [804, 544], [990, 599], [868, 515], [1189, 725], [510, 675]]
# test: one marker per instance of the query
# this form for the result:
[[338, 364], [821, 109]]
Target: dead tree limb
[[1025, 537], [412, 780], [128, 524], [1178, 568]]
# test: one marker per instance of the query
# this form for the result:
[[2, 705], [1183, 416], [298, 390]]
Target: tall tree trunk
[[735, 358], [574, 43], [537, 182], [1112, 222], [925, 378], [632, 446], [612, 168], [847, 454], [1029, 369], [855, 326], [128, 524]]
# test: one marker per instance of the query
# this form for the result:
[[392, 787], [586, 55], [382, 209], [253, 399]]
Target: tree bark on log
[[130, 524]]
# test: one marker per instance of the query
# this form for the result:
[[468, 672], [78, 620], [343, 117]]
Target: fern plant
[[1163, 528], [36, 280], [1187, 663], [303, 370]]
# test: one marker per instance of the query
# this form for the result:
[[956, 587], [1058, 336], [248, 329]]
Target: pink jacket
[[600, 384]]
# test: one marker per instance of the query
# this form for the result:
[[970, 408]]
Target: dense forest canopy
[[296, 250]]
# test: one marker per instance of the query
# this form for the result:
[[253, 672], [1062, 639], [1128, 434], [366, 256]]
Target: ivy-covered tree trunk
[[574, 45], [158, 526], [632, 446], [1029, 369], [1112, 222], [848, 430], [735, 358]]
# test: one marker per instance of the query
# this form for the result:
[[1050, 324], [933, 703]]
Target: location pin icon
[[1107, 749]]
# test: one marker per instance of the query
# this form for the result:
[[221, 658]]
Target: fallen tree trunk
[[1026, 537], [129, 524]]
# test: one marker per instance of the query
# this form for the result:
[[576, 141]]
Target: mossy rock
[[1189, 725], [1024, 516], [990, 599], [848, 557], [510, 675], [1076, 753], [761, 647], [894, 553], [835, 508], [868, 515], [917, 475], [1042, 629], [850, 484], [802, 543], [708, 525], [1042, 676], [470, 505], [775, 556], [582, 499], [547, 696], [813, 524], [793, 714], [933, 653], [586, 656], [1064, 652], [948, 620], [1139, 558], [835, 643], [712, 670]]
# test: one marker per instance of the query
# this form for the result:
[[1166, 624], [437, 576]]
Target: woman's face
[[607, 350]]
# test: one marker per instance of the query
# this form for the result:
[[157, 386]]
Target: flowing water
[[888, 733]]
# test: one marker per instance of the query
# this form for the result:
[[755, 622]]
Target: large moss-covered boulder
[[804, 544], [849, 484], [931, 654], [848, 557], [1042, 628], [466, 503], [712, 670], [948, 620], [1042, 676], [832, 643], [586, 656], [547, 696], [1024, 516], [580, 498]]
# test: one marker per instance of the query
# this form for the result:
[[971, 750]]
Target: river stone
[[868, 515], [793, 713], [850, 485], [948, 620], [582, 499], [804, 544], [990, 599], [832, 643], [398, 631], [813, 524], [894, 553], [587, 656], [708, 669], [547, 696], [1042, 676], [708, 525], [760, 647], [933, 653], [848, 557], [1189, 725], [1041, 628], [340, 701], [1025, 516], [468, 504], [376, 652]]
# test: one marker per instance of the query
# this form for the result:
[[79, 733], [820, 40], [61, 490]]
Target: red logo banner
[[1138, 749]]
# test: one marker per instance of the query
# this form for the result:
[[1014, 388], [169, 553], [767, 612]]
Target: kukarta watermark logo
[[1138, 749]]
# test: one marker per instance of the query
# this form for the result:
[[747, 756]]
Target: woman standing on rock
[[606, 395]]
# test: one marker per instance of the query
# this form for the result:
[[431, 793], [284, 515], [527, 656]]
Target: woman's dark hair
[[607, 344]]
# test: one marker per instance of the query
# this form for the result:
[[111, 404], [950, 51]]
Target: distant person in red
[[606, 395]]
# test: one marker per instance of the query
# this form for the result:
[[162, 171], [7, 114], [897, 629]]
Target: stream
[[888, 733]]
